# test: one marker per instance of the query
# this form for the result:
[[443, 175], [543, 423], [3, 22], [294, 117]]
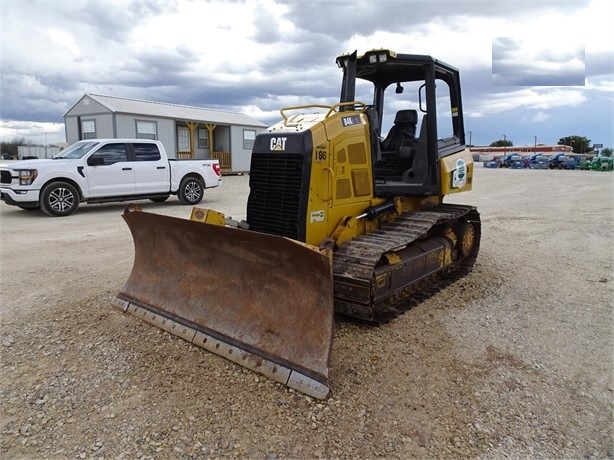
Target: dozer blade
[[262, 301]]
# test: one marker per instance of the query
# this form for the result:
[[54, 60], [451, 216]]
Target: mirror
[[95, 161]]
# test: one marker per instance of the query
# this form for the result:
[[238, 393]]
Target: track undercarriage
[[380, 275]]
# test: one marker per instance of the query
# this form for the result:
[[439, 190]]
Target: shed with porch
[[185, 131]]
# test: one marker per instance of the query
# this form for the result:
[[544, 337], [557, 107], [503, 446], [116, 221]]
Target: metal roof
[[174, 111]]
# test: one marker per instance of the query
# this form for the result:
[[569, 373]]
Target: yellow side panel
[[456, 172], [341, 183]]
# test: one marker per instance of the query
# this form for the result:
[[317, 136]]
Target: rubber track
[[355, 261]]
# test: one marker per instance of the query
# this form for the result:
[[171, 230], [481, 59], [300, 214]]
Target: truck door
[[109, 171], [151, 171]]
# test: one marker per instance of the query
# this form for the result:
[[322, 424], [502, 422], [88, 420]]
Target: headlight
[[27, 176]]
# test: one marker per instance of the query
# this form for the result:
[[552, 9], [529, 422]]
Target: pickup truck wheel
[[190, 191], [59, 199]]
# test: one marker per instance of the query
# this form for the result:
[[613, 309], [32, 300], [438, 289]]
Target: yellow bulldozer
[[340, 219]]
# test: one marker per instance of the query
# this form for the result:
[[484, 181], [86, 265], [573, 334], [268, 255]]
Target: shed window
[[249, 136], [203, 138], [183, 139], [88, 129], [146, 130]]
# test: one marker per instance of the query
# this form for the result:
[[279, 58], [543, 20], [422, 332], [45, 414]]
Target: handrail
[[331, 109], [347, 104], [295, 107]]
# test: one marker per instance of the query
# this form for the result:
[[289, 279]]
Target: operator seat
[[403, 129]]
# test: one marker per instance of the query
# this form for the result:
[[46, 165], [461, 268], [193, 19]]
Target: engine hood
[[34, 164]]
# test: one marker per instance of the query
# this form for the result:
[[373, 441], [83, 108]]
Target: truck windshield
[[76, 150]]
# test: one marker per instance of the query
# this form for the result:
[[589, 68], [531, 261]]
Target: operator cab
[[405, 89]]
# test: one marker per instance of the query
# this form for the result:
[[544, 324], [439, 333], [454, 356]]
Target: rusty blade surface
[[264, 294]]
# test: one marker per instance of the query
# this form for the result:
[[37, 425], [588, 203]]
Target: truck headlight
[[27, 176]]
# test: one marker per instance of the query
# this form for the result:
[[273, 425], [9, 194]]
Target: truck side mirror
[[95, 161]]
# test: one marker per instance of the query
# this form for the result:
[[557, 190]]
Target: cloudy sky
[[529, 69]]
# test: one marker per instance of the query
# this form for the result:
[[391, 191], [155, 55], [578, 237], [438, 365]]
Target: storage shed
[[185, 131]]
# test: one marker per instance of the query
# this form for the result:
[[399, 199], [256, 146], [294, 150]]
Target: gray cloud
[[300, 67], [521, 62], [600, 64], [340, 18]]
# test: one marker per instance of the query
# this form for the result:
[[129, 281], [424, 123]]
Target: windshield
[[76, 150]]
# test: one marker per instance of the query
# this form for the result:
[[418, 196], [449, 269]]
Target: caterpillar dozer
[[339, 219]]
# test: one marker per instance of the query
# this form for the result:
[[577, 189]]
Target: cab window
[[111, 153], [146, 152]]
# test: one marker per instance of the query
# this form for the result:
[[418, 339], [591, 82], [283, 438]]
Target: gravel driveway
[[514, 360]]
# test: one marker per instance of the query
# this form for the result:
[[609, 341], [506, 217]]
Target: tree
[[502, 143], [578, 144], [22, 141], [607, 152]]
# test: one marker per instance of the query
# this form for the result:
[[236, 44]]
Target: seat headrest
[[406, 116]]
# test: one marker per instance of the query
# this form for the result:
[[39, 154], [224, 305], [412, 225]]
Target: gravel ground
[[514, 360]]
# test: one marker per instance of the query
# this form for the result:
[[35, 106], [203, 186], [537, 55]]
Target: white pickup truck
[[104, 170]]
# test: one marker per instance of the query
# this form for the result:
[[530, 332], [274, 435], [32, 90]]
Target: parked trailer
[[562, 161], [606, 163], [508, 161], [535, 161], [30, 152]]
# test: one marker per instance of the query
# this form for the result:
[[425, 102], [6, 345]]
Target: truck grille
[[274, 201], [5, 177]]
